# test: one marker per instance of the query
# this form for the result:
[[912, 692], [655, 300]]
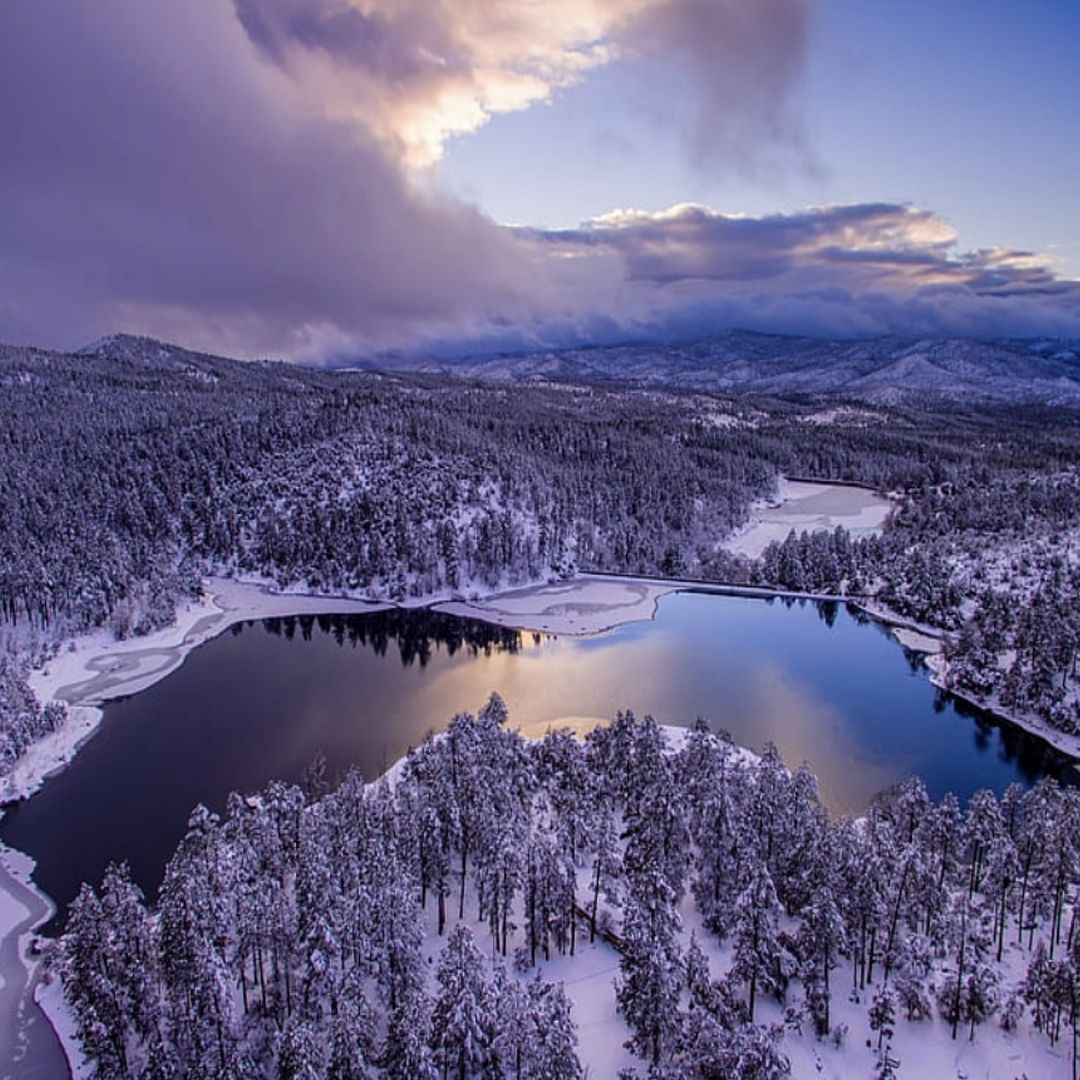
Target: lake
[[825, 684]]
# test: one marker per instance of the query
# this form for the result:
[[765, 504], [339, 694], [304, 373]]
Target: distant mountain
[[884, 371], [921, 373]]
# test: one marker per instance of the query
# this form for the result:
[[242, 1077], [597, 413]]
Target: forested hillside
[[129, 472]]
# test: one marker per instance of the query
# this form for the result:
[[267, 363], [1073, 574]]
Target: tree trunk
[[461, 894], [960, 970]]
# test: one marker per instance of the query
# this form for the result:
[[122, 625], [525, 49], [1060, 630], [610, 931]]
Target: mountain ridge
[[916, 372], [885, 371]]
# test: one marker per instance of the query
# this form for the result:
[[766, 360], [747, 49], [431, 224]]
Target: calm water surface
[[260, 701]]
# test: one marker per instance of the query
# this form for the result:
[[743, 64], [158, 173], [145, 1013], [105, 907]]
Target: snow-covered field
[[807, 507]]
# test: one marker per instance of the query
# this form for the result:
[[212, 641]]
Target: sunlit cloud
[[870, 255], [417, 72]]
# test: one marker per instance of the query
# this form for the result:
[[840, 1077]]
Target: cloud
[[419, 71], [242, 176], [238, 174], [415, 72], [159, 174], [853, 270], [739, 64]]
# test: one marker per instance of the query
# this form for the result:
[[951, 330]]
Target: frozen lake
[[258, 702], [807, 506]]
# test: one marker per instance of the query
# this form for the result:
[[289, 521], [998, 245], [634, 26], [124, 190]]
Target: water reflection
[[416, 633], [259, 703]]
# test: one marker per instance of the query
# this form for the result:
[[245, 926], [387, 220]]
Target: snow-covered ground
[[585, 605], [807, 507], [925, 1049]]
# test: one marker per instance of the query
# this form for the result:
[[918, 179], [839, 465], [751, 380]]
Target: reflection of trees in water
[[1034, 757], [418, 633], [827, 611], [1031, 755]]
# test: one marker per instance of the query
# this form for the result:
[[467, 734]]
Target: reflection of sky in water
[[841, 697], [256, 705]]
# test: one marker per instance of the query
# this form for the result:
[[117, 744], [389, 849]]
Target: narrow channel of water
[[256, 704]]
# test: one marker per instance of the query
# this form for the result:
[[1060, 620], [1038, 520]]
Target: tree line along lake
[[824, 683]]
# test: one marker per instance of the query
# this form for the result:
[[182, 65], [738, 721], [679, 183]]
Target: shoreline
[[95, 669], [26, 1031], [909, 634], [927, 640]]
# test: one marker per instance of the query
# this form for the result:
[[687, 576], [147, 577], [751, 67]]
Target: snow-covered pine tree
[[651, 977], [755, 938], [461, 1028]]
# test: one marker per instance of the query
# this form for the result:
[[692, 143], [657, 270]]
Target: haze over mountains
[[885, 371], [928, 372]]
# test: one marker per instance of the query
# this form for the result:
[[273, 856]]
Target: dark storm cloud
[[158, 173]]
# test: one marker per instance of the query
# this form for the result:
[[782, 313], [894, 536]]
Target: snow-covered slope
[[880, 370]]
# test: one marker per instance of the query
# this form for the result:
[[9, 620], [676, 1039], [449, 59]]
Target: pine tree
[[756, 938], [911, 975], [352, 1034], [606, 865], [650, 968], [822, 939], [882, 1014], [461, 1025], [406, 1054], [553, 1055], [513, 1026], [101, 1007], [299, 1057]]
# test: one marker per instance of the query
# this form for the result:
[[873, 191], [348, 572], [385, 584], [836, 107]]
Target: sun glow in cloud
[[417, 72]]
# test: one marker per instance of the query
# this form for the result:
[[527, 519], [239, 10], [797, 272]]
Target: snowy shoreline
[[927, 640], [97, 669]]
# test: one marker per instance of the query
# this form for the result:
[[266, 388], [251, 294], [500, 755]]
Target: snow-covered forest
[[499, 897], [465, 917], [127, 474]]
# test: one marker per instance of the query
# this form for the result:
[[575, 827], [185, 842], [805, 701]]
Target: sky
[[332, 179]]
